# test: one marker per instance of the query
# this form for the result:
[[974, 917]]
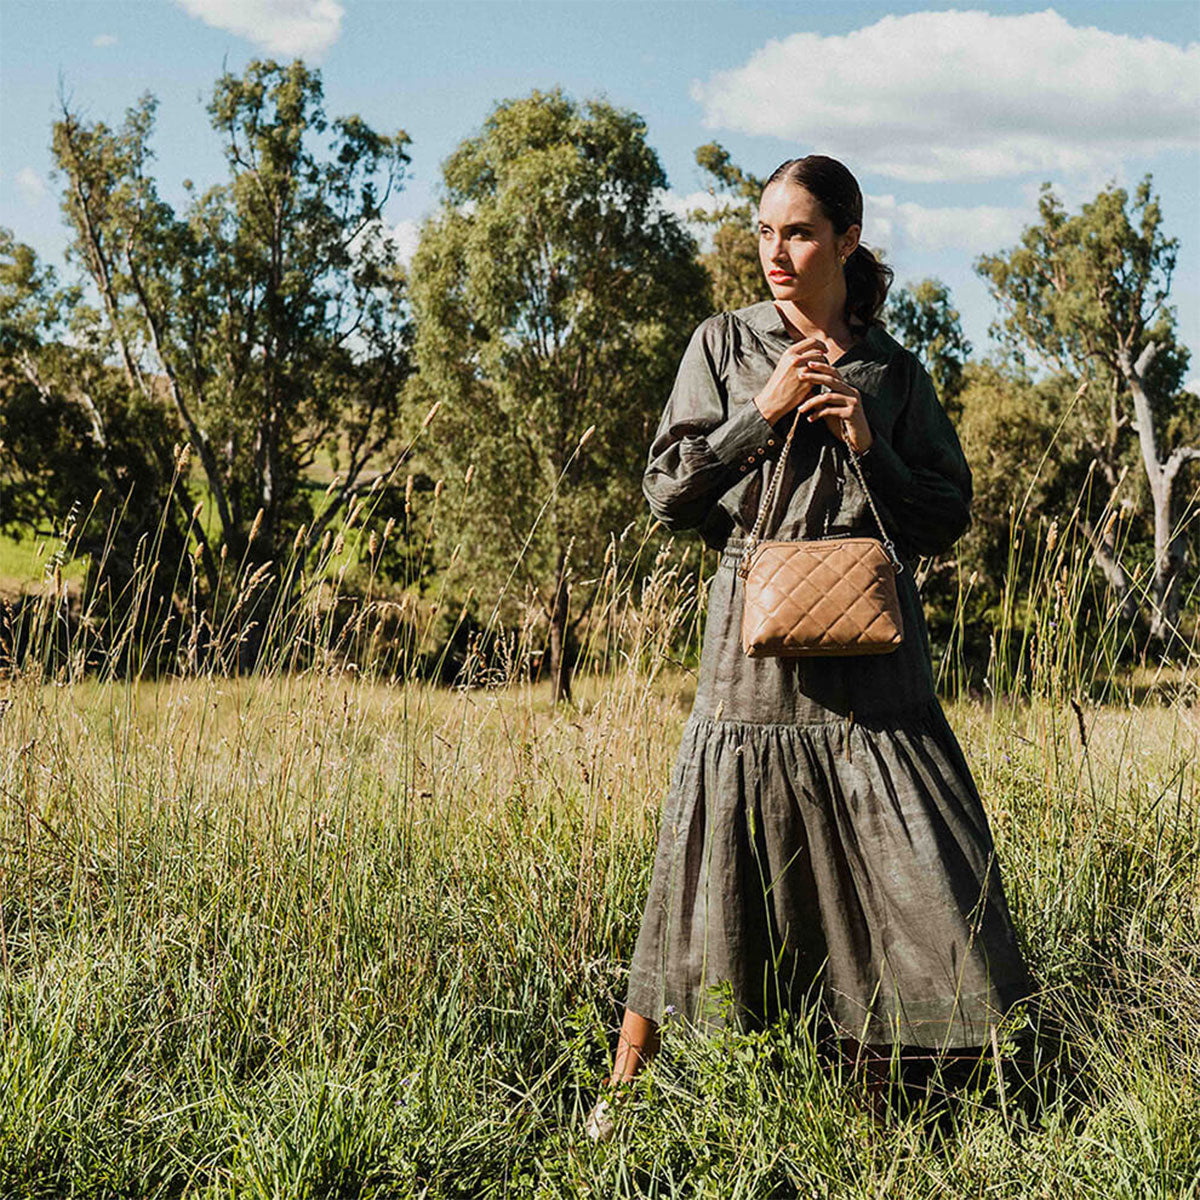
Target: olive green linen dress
[[822, 838]]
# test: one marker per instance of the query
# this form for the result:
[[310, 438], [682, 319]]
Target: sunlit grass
[[329, 929], [23, 559]]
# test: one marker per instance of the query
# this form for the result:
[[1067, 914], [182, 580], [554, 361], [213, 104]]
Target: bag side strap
[[770, 501]]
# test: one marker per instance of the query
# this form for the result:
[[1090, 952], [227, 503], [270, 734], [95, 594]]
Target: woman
[[822, 837]]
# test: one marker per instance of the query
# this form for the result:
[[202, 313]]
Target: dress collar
[[877, 346]]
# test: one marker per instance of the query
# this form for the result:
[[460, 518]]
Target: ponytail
[[867, 283]]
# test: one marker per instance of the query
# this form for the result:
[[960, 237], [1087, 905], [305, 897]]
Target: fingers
[[841, 400], [844, 411], [818, 371], [807, 349]]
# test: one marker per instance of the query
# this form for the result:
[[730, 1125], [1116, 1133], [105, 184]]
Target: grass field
[[320, 936], [341, 933]]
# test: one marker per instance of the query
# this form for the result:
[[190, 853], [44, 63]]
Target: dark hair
[[838, 194]]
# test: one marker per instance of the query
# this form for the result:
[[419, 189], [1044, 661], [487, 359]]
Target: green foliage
[[734, 271], [553, 296], [923, 319], [267, 318], [1027, 458], [714, 158], [1076, 285], [78, 444], [1087, 294]]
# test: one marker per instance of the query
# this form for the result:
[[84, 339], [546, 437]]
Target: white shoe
[[599, 1123]]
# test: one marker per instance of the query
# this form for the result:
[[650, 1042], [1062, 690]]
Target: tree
[[73, 437], [732, 264], [554, 295], [1029, 464], [269, 314], [1088, 294], [924, 320]]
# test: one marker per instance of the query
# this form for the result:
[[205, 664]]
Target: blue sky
[[950, 116]]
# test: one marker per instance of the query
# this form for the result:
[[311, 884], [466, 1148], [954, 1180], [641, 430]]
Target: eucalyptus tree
[[268, 314], [924, 319], [554, 294], [1087, 293], [76, 444], [734, 271]]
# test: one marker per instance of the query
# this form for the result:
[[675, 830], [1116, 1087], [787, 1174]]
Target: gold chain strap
[[769, 501]]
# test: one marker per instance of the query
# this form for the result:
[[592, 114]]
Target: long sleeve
[[920, 477], [701, 448]]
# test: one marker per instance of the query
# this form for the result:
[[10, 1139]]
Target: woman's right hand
[[785, 389]]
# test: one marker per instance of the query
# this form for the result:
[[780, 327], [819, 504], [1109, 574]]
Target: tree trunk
[[1104, 552], [560, 670], [1168, 549]]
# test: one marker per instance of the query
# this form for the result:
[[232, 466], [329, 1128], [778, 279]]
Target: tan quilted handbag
[[824, 596]]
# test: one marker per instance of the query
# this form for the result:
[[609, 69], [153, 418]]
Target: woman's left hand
[[842, 402]]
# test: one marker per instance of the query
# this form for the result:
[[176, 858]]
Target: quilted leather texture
[[820, 598]]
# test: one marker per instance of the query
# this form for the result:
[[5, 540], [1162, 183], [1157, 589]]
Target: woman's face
[[797, 247]]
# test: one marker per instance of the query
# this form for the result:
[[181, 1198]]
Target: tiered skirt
[[823, 843]]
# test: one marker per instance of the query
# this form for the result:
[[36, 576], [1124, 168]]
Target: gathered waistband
[[732, 552]]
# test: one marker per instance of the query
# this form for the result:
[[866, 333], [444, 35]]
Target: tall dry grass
[[331, 930]]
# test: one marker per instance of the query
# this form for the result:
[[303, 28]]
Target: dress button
[[770, 441], [762, 449], [742, 467], [750, 458]]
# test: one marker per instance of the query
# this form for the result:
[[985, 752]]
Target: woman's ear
[[848, 241]]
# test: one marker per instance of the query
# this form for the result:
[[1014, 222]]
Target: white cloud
[[291, 27], [402, 237], [405, 236], [956, 95], [104, 39], [33, 186], [978, 228], [682, 205]]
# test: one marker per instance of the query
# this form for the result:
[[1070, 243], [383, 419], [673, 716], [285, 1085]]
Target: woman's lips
[[781, 275]]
